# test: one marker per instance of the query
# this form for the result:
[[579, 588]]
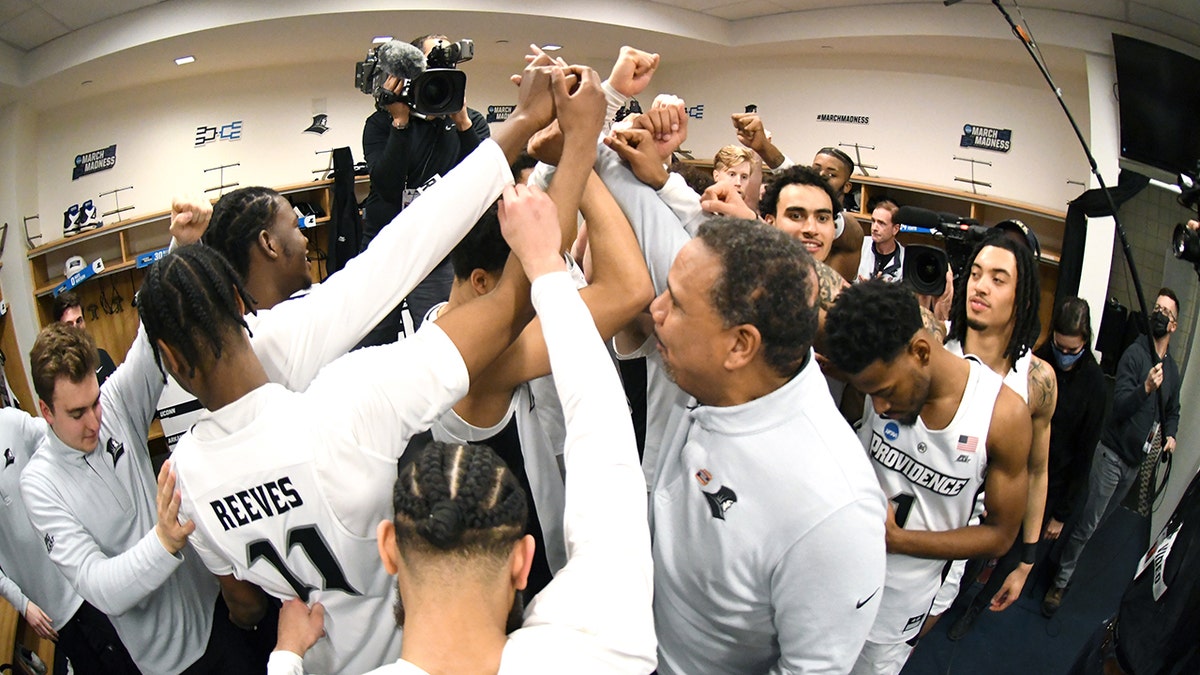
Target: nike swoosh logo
[[866, 600]]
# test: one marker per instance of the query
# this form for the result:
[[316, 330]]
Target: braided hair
[[1027, 325], [189, 301], [237, 220], [460, 499]]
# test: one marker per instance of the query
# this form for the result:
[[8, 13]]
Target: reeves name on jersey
[[261, 501]]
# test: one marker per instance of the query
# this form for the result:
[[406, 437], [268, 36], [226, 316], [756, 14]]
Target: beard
[[975, 324], [516, 613]]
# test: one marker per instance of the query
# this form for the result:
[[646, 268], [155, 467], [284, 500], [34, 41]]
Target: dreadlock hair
[[189, 301], [1074, 317], [841, 156], [795, 175], [237, 220], [483, 248], [61, 350], [870, 321], [767, 280], [1027, 325], [458, 499]]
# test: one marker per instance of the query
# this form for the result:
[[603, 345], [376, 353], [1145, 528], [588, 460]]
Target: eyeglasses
[[1166, 312]]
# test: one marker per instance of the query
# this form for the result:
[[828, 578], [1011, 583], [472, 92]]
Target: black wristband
[[1029, 552]]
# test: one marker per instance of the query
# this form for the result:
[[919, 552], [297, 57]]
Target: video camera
[[432, 85], [925, 266]]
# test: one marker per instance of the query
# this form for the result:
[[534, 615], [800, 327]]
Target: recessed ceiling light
[[85, 83], [551, 48], [501, 42], [826, 46], [381, 38], [184, 60]]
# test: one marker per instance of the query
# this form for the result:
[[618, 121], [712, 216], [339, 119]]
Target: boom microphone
[[916, 217], [400, 60]]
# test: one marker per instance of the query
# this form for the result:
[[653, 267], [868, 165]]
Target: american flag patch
[[966, 443]]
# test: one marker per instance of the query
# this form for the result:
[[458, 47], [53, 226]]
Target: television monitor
[[1158, 90]]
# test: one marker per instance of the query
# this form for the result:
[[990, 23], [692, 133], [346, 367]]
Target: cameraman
[[403, 151]]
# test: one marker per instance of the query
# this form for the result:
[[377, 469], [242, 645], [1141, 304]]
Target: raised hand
[[636, 146], [170, 531], [579, 102], [535, 101], [724, 199], [529, 223], [190, 215], [632, 71]]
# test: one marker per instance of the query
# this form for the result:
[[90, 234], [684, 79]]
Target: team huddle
[[476, 497]]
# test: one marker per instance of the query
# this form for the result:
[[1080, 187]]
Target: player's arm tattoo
[[831, 284], [1043, 389], [933, 325]]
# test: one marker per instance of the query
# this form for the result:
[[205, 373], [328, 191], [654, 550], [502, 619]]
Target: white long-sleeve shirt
[[595, 616], [25, 569], [767, 519], [96, 515]]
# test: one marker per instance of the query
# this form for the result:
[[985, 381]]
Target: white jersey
[[933, 478], [27, 573], [593, 617], [1017, 377], [286, 489]]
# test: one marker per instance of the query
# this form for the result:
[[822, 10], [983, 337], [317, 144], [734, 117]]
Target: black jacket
[[407, 158], [1074, 429], [1134, 411]]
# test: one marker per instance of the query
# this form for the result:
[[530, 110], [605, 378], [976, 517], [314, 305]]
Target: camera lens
[[925, 269], [437, 92]]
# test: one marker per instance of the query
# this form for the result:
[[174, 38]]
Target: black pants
[[1004, 566], [231, 650], [89, 640]]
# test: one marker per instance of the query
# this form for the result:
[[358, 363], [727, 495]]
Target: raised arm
[[1005, 489], [606, 588]]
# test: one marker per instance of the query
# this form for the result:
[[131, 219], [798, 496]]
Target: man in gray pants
[[1128, 434]]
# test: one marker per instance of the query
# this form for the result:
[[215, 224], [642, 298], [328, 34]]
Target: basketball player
[[378, 400], [456, 545], [512, 407], [941, 430], [995, 319]]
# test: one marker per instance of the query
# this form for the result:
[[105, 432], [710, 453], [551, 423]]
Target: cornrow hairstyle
[[795, 175], [64, 301], [237, 219], [483, 248], [841, 157], [871, 321], [459, 499], [1026, 304], [1074, 317], [61, 350], [189, 301], [767, 280]]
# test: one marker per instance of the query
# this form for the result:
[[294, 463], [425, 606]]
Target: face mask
[[1159, 324], [1065, 360]]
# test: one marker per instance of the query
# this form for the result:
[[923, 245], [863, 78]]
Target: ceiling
[[49, 49]]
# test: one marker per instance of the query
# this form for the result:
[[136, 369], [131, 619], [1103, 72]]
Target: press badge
[[412, 193]]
